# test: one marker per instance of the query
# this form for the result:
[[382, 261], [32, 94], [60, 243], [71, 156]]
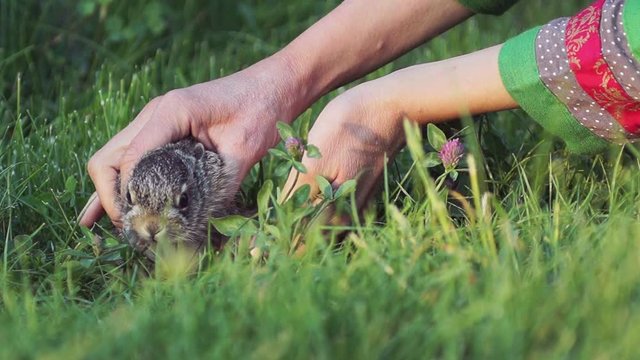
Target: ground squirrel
[[172, 193]]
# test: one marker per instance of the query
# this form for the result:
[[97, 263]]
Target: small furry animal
[[172, 193]]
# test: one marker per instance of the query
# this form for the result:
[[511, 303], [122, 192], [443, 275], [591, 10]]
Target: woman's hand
[[235, 115], [354, 133], [357, 129]]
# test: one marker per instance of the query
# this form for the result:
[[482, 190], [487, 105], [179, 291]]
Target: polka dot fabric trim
[[586, 64], [616, 51], [585, 50], [520, 76], [556, 74]]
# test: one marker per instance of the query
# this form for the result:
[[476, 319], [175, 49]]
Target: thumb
[[155, 133], [298, 179]]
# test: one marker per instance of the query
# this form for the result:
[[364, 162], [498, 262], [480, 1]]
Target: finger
[[367, 188], [103, 171], [296, 180], [159, 130], [104, 178], [92, 211]]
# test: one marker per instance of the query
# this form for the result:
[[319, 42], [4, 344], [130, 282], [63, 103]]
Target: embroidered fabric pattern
[[593, 73], [556, 74], [586, 63], [615, 48]]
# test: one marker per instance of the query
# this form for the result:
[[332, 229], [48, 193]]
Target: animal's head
[[164, 197]]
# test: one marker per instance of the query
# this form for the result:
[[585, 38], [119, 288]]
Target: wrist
[[281, 80]]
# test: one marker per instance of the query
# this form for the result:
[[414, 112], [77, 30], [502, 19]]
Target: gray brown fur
[[155, 188]]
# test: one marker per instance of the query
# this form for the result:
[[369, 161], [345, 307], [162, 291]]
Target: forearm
[[466, 85], [354, 39]]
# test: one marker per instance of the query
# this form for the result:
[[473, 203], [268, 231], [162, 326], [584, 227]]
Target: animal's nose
[[153, 230]]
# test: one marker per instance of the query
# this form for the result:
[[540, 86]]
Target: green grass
[[545, 266]]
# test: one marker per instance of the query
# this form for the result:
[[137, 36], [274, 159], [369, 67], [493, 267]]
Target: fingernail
[[84, 210], [117, 223]]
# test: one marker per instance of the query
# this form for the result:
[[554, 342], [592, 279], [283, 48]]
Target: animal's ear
[[198, 151]]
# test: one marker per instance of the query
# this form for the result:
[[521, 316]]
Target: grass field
[[543, 262]]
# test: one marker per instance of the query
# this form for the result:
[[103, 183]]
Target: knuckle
[[348, 107], [357, 100], [174, 97], [93, 165], [312, 167], [129, 158], [342, 107], [152, 104], [180, 103]]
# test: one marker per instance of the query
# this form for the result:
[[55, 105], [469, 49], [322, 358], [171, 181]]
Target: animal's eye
[[183, 201], [128, 195]]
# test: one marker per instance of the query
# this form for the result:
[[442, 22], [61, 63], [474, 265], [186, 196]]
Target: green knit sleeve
[[494, 7], [520, 76]]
